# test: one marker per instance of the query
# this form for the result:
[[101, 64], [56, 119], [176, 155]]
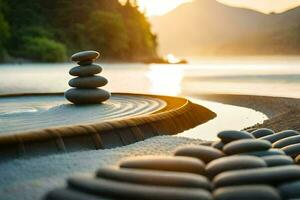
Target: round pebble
[[120, 190], [158, 178], [88, 82], [67, 194], [246, 145], [88, 70], [168, 163], [85, 56], [262, 132], [278, 136], [229, 136], [84, 63], [290, 190], [204, 153], [270, 175], [218, 145], [230, 163], [87, 96], [278, 160], [247, 192], [287, 141], [270, 152], [292, 150]]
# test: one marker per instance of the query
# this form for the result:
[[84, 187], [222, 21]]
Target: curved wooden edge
[[177, 116]]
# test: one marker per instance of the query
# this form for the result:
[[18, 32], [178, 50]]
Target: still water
[[271, 76]]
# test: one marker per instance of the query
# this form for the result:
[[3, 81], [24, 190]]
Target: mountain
[[209, 27]]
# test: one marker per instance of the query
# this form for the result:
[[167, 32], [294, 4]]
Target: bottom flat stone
[[120, 190], [87, 96]]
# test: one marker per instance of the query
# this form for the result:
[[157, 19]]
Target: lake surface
[[271, 76]]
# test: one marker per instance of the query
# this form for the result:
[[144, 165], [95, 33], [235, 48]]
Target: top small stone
[[85, 56]]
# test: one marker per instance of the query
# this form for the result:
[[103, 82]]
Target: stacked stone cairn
[[85, 87], [261, 165]]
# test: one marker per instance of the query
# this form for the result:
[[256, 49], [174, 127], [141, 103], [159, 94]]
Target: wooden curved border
[[179, 115]]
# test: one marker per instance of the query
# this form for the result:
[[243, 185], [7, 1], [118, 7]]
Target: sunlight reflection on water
[[165, 80]]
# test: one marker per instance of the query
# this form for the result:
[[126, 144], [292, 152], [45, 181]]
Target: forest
[[52, 30]]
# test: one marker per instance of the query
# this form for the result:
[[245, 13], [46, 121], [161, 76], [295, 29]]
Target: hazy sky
[[159, 7]]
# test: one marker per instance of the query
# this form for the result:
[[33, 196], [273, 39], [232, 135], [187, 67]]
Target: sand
[[31, 178], [283, 113], [38, 112]]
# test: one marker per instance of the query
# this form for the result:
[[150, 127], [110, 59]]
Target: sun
[[158, 7]]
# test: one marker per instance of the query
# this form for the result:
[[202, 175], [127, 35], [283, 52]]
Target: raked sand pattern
[[27, 113]]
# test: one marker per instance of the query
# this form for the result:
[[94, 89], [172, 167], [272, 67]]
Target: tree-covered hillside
[[51, 30]]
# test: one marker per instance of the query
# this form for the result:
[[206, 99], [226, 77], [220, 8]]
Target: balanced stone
[[230, 163], [246, 145], [278, 136], [247, 192], [270, 175], [229, 136], [85, 56], [287, 141], [218, 145], [158, 178], [262, 132], [292, 150], [270, 152], [278, 160], [204, 153], [67, 194], [88, 70], [88, 82], [290, 190], [121, 190], [178, 164], [85, 63], [87, 96]]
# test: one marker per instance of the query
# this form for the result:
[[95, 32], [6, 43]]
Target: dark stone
[[204, 153], [270, 152], [270, 175], [84, 63], [68, 194], [157, 178], [278, 136], [88, 82], [88, 70], [247, 192], [87, 96], [286, 141], [121, 190], [290, 190], [230, 163], [229, 136], [292, 150], [178, 164], [218, 145], [280, 160], [262, 132], [246, 145], [85, 56]]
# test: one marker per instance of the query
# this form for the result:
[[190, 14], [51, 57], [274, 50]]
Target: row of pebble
[[249, 166]]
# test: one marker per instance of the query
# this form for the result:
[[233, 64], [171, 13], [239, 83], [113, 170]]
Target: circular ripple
[[27, 113]]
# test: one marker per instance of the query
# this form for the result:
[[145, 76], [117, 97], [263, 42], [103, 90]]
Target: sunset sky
[[160, 7]]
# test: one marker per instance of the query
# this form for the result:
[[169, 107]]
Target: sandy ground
[[283, 113], [31, 178]]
